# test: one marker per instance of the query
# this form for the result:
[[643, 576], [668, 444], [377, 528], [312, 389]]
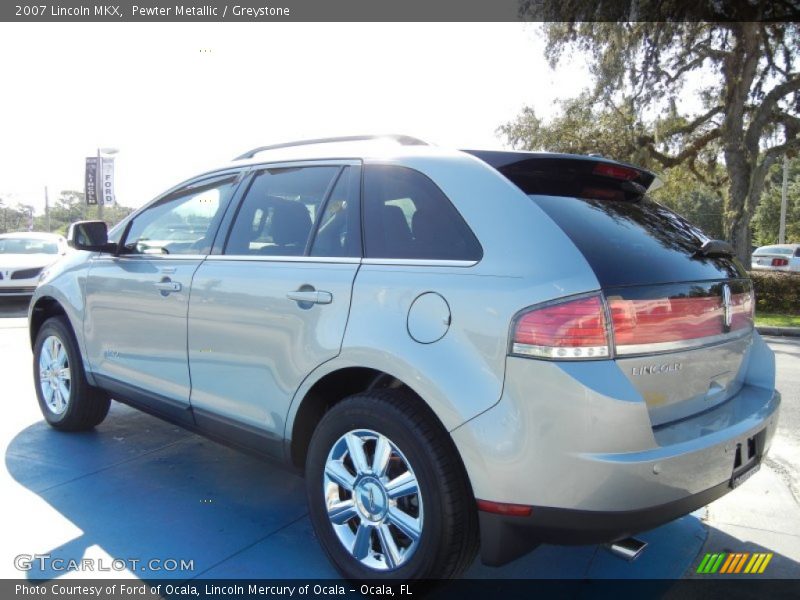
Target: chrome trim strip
[[661, 347], [560, 352], [418, 262], [347, 260]]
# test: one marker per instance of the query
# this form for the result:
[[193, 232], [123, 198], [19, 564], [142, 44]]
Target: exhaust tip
[[629, 549]]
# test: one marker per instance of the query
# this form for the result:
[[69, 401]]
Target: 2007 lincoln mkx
[[456, 347]]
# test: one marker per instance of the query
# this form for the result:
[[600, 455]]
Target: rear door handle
[[168, 286], [312, 297]]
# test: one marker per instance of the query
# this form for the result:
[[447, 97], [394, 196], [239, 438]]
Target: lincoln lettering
[[655, 369]]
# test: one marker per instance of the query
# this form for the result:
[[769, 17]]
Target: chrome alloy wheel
[[54, 375], [373, 499]]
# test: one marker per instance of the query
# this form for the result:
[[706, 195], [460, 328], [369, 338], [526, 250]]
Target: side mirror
[[91, 236]]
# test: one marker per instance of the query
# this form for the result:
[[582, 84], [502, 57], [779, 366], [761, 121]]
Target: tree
[[750, 90], [582, 127]]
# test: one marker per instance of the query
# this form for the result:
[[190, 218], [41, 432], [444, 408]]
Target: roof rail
[[405, 140]]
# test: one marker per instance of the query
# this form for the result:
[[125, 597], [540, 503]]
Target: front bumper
[[575, 442]]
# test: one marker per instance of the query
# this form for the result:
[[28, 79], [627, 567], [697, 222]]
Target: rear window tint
[[635, 242], [407, 216]]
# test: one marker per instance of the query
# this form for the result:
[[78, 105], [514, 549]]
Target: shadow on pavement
[[140, 489]]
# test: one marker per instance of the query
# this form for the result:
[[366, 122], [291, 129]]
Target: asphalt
[[137, 488]]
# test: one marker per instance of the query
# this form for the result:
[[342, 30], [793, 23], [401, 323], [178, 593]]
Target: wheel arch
[[44, 308]]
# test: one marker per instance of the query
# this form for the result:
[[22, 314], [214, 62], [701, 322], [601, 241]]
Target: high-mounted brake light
[[615, 171], [575, 329]]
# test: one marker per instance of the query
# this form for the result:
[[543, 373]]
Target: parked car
[[779, 257], [459, 349], [23, 256]]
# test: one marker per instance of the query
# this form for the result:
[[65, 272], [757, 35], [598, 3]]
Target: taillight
[[654, 319], [575, 329], [780, 262]]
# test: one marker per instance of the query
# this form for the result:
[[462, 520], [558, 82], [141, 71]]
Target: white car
[[23, 257], [780, 257]]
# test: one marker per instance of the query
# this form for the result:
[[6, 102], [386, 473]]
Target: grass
[[777, 320]]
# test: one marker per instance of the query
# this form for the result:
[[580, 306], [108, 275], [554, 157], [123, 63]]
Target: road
[[137, 489]]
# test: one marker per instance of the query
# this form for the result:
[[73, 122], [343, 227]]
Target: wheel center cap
[[371, 499]]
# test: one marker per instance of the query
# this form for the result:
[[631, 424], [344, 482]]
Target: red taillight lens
[[656, 319], [575, 329], [615, 171], [780, 262], [664, 320], [503, 508], [742, 309]]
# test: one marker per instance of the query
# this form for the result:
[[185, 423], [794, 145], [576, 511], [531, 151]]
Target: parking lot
[[141, 496]]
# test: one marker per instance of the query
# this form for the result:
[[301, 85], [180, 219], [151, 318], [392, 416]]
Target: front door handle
[[311, 297], [168, 286]]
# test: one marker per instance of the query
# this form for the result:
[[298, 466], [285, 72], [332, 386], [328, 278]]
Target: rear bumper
[[575, 442], [504, 538]]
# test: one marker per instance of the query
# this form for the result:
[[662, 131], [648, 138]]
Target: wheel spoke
[[64, 374], [339, 474], [58, 402], [47, 391], [63, 391], [362, 542], [355, 447], [402, 485], [341, 512], [391, 552], [383, 451], [404, 522]]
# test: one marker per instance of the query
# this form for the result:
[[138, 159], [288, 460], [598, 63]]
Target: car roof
[[390, 147]]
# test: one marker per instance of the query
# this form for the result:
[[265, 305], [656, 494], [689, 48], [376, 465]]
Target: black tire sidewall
[[352, 414], [56, 327]]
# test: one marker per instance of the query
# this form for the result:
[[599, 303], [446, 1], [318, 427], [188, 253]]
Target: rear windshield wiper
[[716, 248]]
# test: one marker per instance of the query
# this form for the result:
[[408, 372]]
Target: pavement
[[137, 490]]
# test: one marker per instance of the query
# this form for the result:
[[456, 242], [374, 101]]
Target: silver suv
[[460, 349]]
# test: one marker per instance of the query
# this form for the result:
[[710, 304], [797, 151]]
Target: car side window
[[407, 216], [338, 231], [278, 212], [182, 223]]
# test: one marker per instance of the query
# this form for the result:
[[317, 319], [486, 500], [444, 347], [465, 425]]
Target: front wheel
[[66, 399], [387, 493]]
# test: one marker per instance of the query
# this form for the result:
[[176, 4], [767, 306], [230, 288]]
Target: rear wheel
[[387, 493], [66, 400]]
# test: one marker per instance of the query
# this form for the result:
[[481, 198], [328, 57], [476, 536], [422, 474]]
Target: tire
[[66, 400], [381, 530]]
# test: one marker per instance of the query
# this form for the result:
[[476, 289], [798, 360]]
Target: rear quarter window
[[406, 215]]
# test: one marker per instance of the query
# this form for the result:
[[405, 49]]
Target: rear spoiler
[[539, 172]]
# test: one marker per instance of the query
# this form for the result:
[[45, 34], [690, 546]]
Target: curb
[[783, 331]]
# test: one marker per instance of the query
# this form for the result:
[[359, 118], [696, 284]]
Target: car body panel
[[250, 346], [135, 332], [579, 436]]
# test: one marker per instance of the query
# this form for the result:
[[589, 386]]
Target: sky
[[175, 99]]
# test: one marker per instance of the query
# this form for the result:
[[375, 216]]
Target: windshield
[[27, 246]]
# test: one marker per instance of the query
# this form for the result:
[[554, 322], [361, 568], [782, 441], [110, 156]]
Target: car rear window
[[635, 242], [773, 250], [627, 238]]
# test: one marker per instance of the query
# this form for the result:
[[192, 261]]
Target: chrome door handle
[[168, 286], [312, 297]]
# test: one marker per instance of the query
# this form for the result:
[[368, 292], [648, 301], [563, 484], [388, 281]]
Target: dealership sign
[[99, 181]]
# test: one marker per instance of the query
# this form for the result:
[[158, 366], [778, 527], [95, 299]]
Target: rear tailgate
[[681, 320]]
